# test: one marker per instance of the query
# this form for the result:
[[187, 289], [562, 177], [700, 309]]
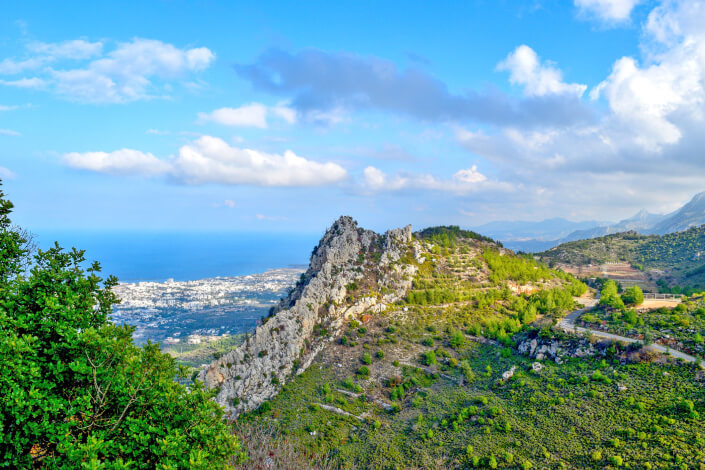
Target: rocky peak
[[312, 315]]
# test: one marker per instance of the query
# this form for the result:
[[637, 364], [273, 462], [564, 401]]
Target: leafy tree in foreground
[[75, 392]]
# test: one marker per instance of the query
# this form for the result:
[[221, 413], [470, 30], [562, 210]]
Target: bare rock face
[[312, 315]]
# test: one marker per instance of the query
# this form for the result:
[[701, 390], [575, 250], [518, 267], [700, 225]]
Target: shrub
[[379, 354], [633, 296], [429, 358], [75, 388], [457, 339], [366, 358], [364, 371]]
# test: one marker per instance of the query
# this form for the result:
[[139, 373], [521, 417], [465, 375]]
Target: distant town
[[201, 311]]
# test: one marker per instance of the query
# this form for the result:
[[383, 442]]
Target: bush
[[633, 296], [364, 371], [429, 358], [366, 358], [74, 386], [379, 354], [457, 339]]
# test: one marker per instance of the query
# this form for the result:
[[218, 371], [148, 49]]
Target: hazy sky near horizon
[[259, 116]]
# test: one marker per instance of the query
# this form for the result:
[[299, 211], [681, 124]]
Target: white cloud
[[470, 175], [8, 108], [649, 99], [526, 69], [212, 160], [76, 49], [229, 203], [645, 147], [249, 115], [9, 132], [119, 162], [608, 10], [463, 181], [6, 174], [24, 83], [139, 69], [11, 66]]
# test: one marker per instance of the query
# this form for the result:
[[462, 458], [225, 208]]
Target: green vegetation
[[678, 254], [633, 296], [681, 327], [447, 235], [567, 416], [74, 390]]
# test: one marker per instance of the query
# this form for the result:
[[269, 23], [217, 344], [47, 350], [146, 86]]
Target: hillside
[[435, 349], [675, 258]]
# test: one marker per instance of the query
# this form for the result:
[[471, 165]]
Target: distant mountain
[[641, 222], [533, 236], [690, 215]]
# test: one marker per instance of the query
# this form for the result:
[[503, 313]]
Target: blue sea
[[184, 256]]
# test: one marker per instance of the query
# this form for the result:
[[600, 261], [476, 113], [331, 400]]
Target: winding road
[[567, 324]]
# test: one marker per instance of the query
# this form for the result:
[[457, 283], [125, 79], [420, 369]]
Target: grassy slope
[[436, 368], [680, 254]]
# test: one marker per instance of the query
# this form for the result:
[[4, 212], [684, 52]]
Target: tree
[[75, 391], [609, 295], [633, 296]]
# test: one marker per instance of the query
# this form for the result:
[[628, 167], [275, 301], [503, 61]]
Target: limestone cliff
[[352, 271]]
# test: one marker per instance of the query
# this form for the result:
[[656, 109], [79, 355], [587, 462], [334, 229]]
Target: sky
[[282, 116]]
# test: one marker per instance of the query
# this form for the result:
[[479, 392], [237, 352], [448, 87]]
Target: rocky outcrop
[[348, 265], [556, 349]]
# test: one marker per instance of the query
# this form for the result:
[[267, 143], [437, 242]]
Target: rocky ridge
[[352, 271]]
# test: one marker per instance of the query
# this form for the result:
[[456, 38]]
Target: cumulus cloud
[[119, 162], [657, 100], [212, 160], [463, 181], [648, 140], [323, 87], [608, 10], [133, 70], [538, 79], [249, 115]]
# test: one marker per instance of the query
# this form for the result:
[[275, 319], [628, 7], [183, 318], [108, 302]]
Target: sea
[[158, 256]]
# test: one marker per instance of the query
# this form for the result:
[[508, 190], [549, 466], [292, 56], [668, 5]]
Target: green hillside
[[679, 255], [437, 382]]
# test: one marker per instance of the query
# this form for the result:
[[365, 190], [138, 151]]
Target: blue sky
[[283, 116]]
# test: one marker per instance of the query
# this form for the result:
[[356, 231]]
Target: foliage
[[516, 268], [609, 295], [633, 296], [447, 235], [75, 390]]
